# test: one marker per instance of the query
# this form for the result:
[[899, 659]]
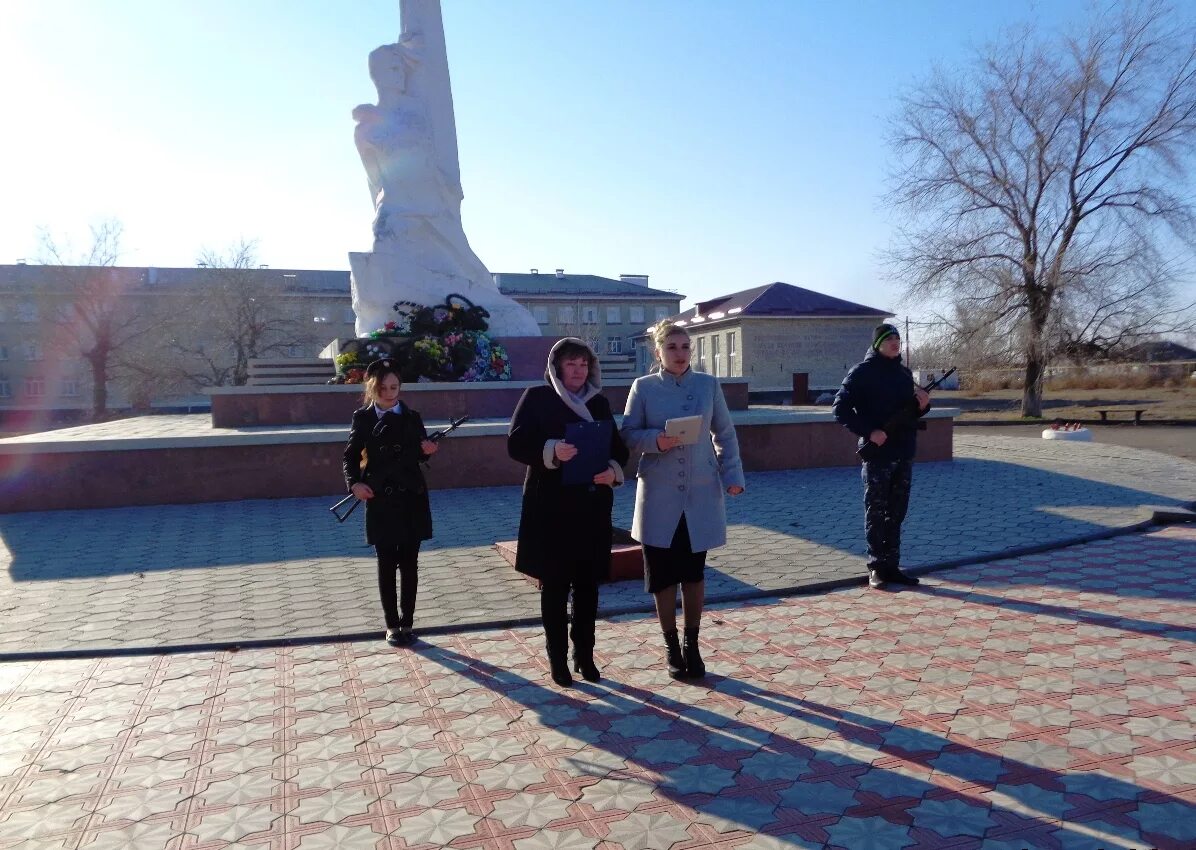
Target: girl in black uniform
[[387, 442]]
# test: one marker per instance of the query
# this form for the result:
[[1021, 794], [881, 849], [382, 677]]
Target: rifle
[[454, 424], [903, 418], [435, 437]]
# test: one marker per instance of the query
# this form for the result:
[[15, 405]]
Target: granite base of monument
[[158, 460], [626, 559]]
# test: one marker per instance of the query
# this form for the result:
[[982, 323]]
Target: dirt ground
[[1178, 440], [1160, 403]]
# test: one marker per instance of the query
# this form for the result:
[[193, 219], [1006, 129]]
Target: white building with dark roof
[[608, 314], [770, 332]]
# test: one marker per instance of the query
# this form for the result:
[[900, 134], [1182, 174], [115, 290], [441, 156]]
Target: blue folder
[[593, 450]]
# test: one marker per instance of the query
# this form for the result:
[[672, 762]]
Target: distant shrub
[[1102, 377]]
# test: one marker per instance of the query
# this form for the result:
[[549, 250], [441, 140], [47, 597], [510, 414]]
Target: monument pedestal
[[626, 559]]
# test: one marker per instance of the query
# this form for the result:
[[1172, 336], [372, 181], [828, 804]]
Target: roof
[[573, 284], [26, 277], [779, 300], [1161, 351]]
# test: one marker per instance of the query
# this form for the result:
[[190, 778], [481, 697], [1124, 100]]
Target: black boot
[[585, 613], [675, 660], [559, 664], [556, 631], [583, 663], [694, 668]]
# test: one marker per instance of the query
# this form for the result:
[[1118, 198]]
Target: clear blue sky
[[711, 145]]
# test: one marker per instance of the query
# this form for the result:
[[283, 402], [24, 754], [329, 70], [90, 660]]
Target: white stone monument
[[408, 145]]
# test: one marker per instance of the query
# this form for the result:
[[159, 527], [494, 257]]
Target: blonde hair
[[662, 332], [371, 383]]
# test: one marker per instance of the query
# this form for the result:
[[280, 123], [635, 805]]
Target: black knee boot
[[553, 598], [694, 668], [675, 660], [585, 615]]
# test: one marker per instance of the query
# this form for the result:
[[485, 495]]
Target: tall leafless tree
[[242, 315], [88, 301], [1048, 165]]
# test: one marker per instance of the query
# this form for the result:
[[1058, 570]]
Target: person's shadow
[[739, 775]]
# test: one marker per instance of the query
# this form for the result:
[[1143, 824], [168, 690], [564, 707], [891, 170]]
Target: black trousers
[[886, 501], [554, 604], [403, 560]]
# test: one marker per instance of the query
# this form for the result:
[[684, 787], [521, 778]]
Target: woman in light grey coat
[[679, 509]]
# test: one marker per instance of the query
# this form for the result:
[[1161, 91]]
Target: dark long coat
[[399, 514], [564, 530]]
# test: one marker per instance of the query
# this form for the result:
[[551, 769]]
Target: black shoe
[[876, 580], [587, 668], [674, 657], [392, 637], [560, 671], [694, 667], [896, 576]]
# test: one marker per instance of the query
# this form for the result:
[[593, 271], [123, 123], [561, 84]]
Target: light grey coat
[[686, 479]]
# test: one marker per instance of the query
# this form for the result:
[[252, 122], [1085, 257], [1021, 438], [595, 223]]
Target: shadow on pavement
[[703, 756]]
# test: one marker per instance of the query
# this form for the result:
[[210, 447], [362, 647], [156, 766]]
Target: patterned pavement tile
[[463, 741], [643, 831], [233, 823]]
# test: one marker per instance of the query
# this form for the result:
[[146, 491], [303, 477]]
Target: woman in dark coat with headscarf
[[387, 442], [565, 529]]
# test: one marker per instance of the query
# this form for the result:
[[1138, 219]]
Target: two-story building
[[42, 334], [41, 370], [770, 332], [609, 314]]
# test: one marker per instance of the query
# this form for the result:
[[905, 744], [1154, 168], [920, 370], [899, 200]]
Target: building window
[[614, 345], [27, 311], [35, 387], [731, 353], [614, 315], [589, 315], [564, 315], [636, 315], [33, 351], [540, 313], [701, 354], [662, 313], [5, 388], [714, 355], [3, 352], [348, 316], [70, 388]]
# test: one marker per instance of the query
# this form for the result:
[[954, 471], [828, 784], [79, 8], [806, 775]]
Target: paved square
[[1045, 701]]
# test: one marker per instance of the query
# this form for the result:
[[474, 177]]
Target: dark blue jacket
[[872, 393]]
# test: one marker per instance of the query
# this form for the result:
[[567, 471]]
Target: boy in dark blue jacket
[[873, 393]]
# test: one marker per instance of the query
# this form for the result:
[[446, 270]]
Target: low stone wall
[[241, 407], [231, 467]]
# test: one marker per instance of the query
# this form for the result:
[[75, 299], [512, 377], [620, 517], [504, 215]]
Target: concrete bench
[[289, 372], [1104, 414]]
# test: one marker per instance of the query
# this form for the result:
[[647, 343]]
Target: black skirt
[[675, 565]]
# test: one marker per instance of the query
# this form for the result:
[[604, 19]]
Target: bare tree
[[1048, 166], [242, 314], [1103, 316], [87, 299]]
